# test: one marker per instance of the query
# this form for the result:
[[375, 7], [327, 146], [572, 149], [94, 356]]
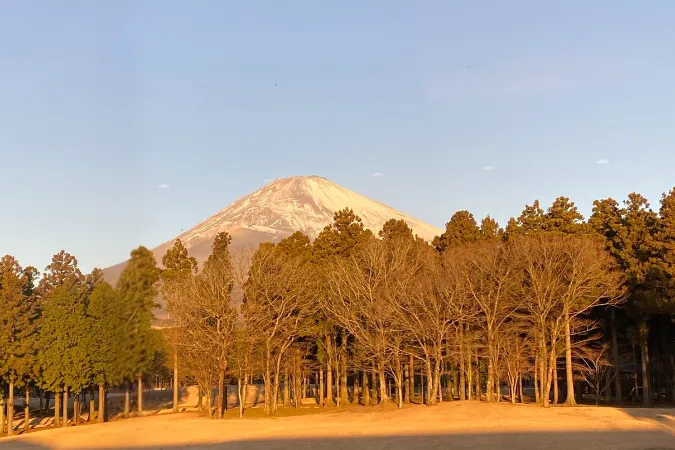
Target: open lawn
[[455, 425]]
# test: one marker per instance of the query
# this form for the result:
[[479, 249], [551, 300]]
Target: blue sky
[[101, 102]]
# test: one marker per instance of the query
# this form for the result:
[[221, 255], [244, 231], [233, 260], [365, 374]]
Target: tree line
[[547, 304]]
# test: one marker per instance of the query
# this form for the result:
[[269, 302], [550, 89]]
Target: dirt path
[[466, 425]]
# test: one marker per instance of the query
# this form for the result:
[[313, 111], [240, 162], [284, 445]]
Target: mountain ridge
[[279, 208]]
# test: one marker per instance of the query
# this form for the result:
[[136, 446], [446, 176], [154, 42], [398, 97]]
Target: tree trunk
[[10, 410], [406, 373], [384, 397], [268, 384], [616, 361], [219, 401], [555, 383], [65, 407], [92, 404], [366, 389], [644, 353], [240, 394], [462, 370], [57, 409], [287, 392], [468, 371], [536, 378], [101, 404], [175, 380], [329, 372], [322, 388], [127, 399], [2, 413], [479, 390], [430, 391], [411, 375], [490, 368], [570, 400], [26, 411], [344, 392], [549, 376], [140, 394], [520, 388]]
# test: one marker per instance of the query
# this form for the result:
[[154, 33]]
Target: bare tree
[[595, 369], [275, 308]]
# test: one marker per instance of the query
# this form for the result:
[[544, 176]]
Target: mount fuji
[[279, 208]]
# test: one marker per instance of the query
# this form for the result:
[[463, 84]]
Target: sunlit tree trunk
[[287, 391], [462, 369], [329, 372], [127, 398], [57, 409], [408, 384], [366, 389], [101, 403], [479, 389], [10, 410], [140, 394], [65, 406], [570, 400], [26, 410], [175, 379], [221, 393], [344, 393], [2, 413], [321, 387], [411, 374]]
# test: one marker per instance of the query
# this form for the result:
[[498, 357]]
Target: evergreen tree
[[17, 328], [136, 287], [489, 229], [563, 217], [107, 338], [62, 326], [461, 229], [394, 229], [340, 237]]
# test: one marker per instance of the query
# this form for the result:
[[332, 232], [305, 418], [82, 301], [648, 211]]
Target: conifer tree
[[17, 329], [136, 287], [461, 229], [105, 311], [62, 326]]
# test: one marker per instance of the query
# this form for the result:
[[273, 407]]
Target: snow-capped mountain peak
[[299, 203]]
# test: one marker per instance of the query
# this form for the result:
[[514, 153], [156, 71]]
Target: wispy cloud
[[488, 168], [602, 161], [163, 186], [267, 180], [378, 174]]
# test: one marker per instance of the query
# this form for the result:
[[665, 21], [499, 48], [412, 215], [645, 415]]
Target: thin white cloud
[[267, 180], [378, 174], [488, 168], [163, 186], [602, 161]]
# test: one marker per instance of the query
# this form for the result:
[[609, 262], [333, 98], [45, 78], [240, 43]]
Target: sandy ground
[[465, 425]]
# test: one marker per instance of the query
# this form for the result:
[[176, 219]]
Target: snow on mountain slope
[[304, 204], [278, 209]]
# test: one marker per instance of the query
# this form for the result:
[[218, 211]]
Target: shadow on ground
[[615, 440]]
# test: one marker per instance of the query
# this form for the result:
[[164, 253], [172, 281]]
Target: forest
[[547, 308]]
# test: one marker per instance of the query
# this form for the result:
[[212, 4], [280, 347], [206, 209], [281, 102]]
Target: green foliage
[[395, 229], [136, 288], [461, 229], [107, 335], [342, 236], [489, 229], [17, 321], [64, 350]]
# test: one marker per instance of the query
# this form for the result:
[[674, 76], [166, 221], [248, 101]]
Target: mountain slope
[[280, 208]]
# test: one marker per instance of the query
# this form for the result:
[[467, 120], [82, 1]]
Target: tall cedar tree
[[136, 287], [461, 229], [62, 328], [630, 234], [17, 329], [108, 337]]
